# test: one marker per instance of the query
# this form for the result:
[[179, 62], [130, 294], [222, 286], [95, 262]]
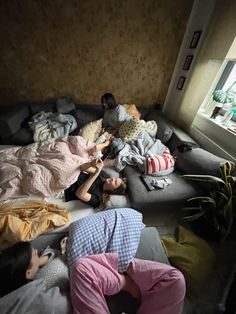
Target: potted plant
[[222, 97], [216, 208]]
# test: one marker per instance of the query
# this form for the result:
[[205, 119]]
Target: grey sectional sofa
[[190, 158]]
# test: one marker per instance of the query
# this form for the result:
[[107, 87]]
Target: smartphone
[[106, 154]]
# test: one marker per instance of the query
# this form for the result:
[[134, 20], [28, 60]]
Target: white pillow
[[91, 130]]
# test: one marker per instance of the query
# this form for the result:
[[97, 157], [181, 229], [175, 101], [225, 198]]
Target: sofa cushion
[[88, 113], [65, 104], [164, 132], [198, 161], [22, 137], [11, 121], [37, 107], [170, 198]]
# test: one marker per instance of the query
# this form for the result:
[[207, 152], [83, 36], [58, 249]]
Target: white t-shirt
[[114, 116]]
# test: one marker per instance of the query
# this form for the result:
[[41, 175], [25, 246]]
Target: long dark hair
[[120, 190], [108, 101], [14, 262]]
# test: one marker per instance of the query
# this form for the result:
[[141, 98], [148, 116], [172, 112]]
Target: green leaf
[[223, 97], [190, 208], [204, 178], [206, 199], [193, 217]]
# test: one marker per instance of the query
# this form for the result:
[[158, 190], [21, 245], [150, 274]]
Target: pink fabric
[[162, 286], [42, 169], [158, 163]]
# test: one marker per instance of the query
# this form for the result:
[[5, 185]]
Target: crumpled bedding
[[134, 152], [34, 297], [23, 221], [48, 125], [42, 169]]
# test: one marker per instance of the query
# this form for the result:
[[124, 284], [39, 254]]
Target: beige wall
[[85, 48], [219, 37]]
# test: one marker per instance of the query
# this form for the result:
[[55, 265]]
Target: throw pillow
[[129, 130], [132, 111], [91, 130], [192, 256], [164, 132], [158, 163], [116, 201]]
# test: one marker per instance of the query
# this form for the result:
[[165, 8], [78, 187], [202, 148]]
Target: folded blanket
[[116, 230], [23, 221]]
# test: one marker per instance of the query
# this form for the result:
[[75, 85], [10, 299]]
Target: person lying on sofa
[[91, 185], [160, 288]]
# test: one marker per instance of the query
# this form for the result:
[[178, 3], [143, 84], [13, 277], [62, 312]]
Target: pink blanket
[[42, 169]]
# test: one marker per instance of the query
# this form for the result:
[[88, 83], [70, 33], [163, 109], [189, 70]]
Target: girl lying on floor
[[158, 288]]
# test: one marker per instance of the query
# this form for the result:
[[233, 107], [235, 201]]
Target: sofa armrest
[[180, 140], [198, 161]]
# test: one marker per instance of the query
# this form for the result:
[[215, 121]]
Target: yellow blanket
[[23, 221]]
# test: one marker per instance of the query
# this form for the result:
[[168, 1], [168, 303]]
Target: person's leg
[[94, 276], [162, 287]]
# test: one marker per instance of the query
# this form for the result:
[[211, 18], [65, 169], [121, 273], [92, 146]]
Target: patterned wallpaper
[[85, 48]]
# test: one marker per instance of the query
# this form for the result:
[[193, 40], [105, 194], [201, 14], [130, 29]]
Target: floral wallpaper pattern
[[85, 48]]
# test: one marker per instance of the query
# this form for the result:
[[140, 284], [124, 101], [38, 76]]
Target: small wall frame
[[195, 39], [187, 62], [181, 82]]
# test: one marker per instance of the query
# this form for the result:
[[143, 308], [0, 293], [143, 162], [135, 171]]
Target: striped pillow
[[159, 163]]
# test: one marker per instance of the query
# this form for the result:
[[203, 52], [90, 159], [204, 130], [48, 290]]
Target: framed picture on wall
[[187, 62], [195, 39], [181, 81]]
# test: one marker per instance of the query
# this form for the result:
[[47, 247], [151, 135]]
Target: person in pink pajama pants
[[160, 286]]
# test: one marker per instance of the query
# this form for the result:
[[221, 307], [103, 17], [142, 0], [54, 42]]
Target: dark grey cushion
[[65, 104], [37, 107], [88, 113], [164, 132], [171, 198], [11, 121], [198, 161], [22, 137]]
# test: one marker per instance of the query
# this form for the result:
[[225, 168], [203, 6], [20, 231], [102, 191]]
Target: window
[[226, 86], [219, 137]]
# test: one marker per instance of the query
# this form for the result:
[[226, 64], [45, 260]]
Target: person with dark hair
[[114, 115], [18, 265], [157, 288], [91, 185]]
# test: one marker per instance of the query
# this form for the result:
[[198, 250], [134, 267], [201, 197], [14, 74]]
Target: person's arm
[[82, 191], [90, 166], [116, 130]]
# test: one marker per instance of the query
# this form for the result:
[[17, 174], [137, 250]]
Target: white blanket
[[48, 125], [134, 152]]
